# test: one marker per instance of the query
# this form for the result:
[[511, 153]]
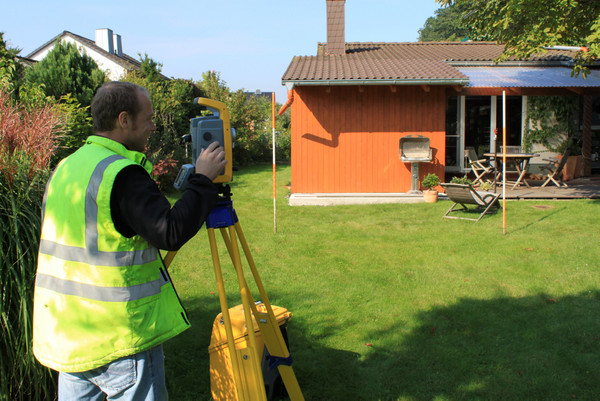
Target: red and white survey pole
[[274, 163], [504, 162]]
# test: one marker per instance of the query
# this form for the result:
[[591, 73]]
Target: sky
[[251, 43]]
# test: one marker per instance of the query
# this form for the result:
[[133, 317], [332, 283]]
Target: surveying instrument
[[247, 347]]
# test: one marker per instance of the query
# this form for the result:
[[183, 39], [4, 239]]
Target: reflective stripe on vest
[[105, 294], [92, 255]]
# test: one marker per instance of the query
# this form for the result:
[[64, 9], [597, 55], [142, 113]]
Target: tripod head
[[223, 215], [224, 192]]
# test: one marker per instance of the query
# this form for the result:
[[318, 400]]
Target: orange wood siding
[[345, 139]]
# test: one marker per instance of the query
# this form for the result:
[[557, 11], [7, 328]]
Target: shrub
[[430, 181], [461, 180], [27, 143]]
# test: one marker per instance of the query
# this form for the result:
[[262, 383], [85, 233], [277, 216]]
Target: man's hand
[[211, 161]]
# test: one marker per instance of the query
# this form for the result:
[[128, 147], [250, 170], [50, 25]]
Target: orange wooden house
[[353, 102]]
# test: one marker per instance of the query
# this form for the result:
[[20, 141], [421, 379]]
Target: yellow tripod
[[244, 364]]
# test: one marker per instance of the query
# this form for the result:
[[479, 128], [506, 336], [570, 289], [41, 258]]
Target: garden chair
[[511, 149], [480, 167], [464, 194], [555, 168]]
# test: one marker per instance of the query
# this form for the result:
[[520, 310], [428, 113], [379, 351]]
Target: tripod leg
[[169, 258], [269, 327], [225, 312], [247, 300], [253, 388]]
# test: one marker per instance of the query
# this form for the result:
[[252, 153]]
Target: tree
[[65, 71], [527, 27], [248, 117], [11, 71], [150, 69], [172, 100], [446, 25], [75, 121]]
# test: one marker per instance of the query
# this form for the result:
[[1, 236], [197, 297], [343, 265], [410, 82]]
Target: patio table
[[519, 160]]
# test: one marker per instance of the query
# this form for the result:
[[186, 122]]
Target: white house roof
[[116, 63]]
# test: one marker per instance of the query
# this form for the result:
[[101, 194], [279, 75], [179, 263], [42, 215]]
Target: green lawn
[[392, 302]]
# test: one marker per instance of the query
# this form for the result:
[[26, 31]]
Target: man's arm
[[139, 207]]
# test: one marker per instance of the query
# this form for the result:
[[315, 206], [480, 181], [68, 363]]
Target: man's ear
[[123, 119]]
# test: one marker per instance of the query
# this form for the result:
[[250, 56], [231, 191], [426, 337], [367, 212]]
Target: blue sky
[[250, 43]]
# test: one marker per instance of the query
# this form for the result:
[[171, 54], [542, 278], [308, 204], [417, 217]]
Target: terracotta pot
[[430, 196]]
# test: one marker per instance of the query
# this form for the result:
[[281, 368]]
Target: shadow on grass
[[536, 347], [502, 349], [551, 213]]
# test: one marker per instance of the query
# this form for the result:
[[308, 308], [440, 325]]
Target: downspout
[[287, 104]]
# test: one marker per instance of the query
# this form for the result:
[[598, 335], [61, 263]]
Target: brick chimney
[[336, 40]]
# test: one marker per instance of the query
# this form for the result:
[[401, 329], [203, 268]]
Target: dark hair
[[113, 98]]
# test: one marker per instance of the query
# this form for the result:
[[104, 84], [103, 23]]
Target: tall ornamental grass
[[27, 142]]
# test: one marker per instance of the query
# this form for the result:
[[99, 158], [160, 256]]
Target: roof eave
[[512, 63], [290, 83]]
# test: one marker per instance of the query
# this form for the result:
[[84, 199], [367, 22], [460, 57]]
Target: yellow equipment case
[[222, 383]]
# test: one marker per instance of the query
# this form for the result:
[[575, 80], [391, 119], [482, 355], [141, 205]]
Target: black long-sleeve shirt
[[139, 207]]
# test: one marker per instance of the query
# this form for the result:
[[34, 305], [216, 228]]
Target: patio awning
[[528, 77]]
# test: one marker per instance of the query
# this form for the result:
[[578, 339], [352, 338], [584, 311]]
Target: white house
[[106, 51]]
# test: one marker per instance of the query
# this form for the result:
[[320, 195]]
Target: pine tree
[[64, 70]]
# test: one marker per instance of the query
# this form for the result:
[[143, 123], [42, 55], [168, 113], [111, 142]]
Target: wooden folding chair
[[464, 194], [555, 168], [480, 167]]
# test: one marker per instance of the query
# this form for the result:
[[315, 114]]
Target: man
[[104, 302]]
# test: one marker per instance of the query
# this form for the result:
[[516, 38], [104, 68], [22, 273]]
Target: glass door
[[453, 147], [478, 112]]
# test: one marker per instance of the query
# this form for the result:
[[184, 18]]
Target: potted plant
[[461, 180], [429, 182], [486, 186]]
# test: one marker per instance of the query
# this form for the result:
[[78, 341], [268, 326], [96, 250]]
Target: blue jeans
[[131, 378]]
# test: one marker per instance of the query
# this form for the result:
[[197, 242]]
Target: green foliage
[[526, 27], [65, 71], [75, 123], [27, 142], [446, 25], [150, 69], [485, 186], [461, 180], [283, 150], [430, 181], [251, 118], [11, 71], [551, 121], [77, 126], [171, 101]]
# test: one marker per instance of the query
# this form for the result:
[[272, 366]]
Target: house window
[[452, 133], [514, 107], [471, 122], [478, 111]]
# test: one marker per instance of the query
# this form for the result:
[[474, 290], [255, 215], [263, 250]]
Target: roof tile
[[400, 61]]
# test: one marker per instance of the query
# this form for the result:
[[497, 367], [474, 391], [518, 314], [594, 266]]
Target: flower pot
[[430, 196]]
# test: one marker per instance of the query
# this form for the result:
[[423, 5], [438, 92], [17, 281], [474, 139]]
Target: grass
[[392, 302]]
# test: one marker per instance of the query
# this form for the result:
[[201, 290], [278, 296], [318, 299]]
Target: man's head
[[122, 111]]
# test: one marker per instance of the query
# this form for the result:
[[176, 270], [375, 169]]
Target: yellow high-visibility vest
[[98, 296]]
